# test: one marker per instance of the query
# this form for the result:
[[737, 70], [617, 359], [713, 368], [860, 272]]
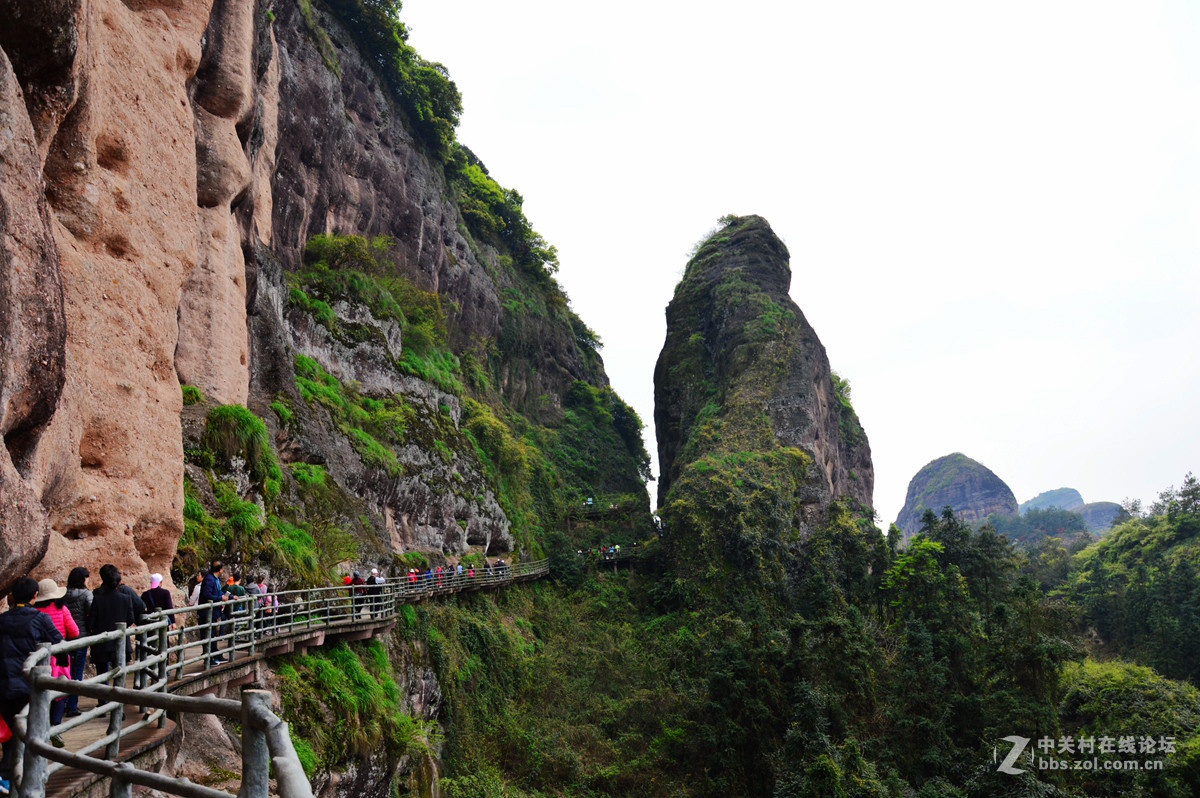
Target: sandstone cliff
[[167, 164], [165, 167], [743, 376], [32, 332], [956, 481]]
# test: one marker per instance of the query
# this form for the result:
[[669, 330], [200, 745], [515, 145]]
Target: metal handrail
[[161, 644]]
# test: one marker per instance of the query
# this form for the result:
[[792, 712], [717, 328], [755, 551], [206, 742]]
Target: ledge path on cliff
[[177, 653]]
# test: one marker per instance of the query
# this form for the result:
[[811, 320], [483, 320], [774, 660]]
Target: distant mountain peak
[[968, 487]]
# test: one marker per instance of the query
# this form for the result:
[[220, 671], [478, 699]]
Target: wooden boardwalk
[[312, 619]]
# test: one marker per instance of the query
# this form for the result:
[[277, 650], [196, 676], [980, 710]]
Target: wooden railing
[[168, 642]]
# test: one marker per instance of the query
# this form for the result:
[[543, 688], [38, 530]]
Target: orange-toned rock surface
[[182, 153], [151, 202], [32, 331]]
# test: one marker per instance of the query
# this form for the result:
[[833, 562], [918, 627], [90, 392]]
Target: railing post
[[117, 718], [252, 624], [164, 646], [37, 729], [121, 788], [256, 756], [206, 631]]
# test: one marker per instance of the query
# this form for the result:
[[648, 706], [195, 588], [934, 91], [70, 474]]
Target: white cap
[[374, 570], [155, 580]]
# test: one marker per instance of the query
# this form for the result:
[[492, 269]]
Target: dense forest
[[876, 671]]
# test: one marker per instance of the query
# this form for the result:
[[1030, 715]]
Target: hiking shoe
[[57, 741], [72, 713]]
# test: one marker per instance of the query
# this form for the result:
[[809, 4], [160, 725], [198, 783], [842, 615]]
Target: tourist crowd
[[43, 612]]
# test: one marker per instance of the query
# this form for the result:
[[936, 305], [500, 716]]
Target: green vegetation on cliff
[[289, 525], [593, 448], [343, 701], [422, 88]]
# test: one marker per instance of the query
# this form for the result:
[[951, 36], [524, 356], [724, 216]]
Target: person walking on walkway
[[112, 603], [79, 602], [52, 602], [208, 616], [237, 609], [358, 592], [158, 597], [22, 631], [375, 592]]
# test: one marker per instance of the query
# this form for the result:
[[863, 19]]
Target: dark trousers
[[9, 707], [78, 661], [104, 656]]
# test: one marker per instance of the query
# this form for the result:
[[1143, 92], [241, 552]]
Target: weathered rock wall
[[735, 335], [346, 164], [110, 93], [441, 502], [179, 144], [32, 332], [968, 487]]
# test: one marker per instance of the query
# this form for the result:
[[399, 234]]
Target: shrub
[[233, 431]]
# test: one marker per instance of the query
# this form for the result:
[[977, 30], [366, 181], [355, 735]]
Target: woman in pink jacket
[[50, 601]]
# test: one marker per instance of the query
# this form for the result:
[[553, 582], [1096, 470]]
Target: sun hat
[[49, 589]]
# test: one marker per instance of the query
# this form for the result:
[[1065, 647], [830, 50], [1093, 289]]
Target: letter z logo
[[1018, 746]]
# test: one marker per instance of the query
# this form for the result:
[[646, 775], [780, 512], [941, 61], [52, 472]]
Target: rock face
[[1098, 515], [742, 371], [437, 504], [32, 333], [163, 164], [159, 152], [344, 165], [1062, 498], [956, 481], [143, 118]]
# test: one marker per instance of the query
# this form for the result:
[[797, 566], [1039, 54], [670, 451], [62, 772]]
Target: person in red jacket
[[52, 602]]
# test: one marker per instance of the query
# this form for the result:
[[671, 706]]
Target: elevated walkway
[[184, 663]]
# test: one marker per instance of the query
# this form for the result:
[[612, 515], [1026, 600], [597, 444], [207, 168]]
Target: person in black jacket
[[375, 584], [112, 603], [22, 631], [79, 602], [211, 591], [158, 597]]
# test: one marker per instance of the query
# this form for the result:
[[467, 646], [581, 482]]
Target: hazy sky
[[993, 209]]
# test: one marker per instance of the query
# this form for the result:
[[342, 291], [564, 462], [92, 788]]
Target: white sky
[[993, 209]]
